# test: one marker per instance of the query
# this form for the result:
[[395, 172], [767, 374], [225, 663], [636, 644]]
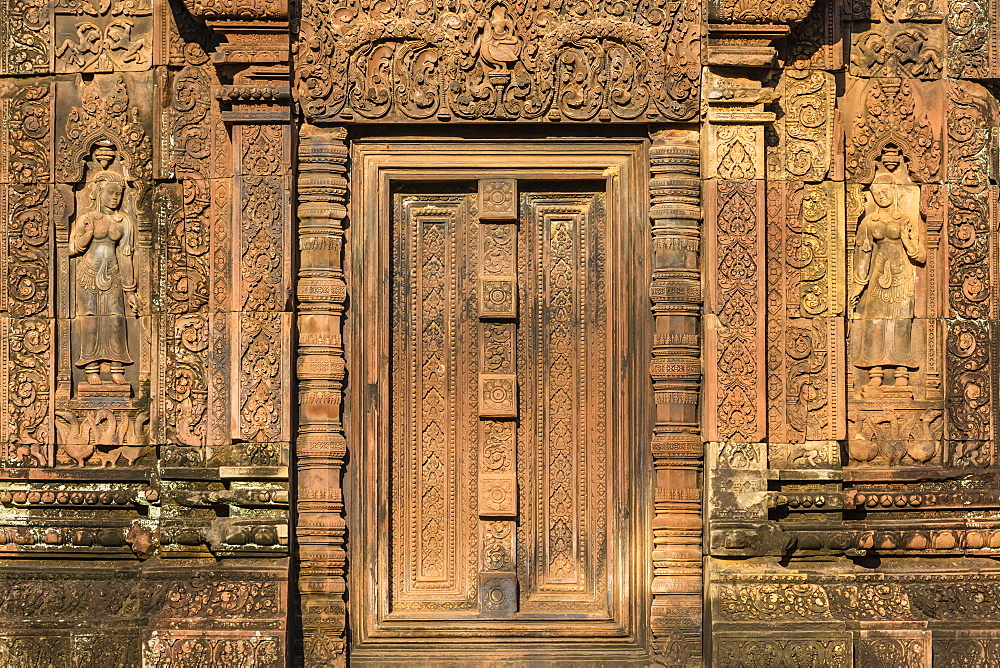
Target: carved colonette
[[321, 445], [675, 292]]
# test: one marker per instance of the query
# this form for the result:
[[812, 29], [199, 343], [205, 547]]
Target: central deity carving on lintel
[[105, 289], [890, 245], [498, 43]]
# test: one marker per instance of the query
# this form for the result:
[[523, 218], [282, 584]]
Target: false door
[[499, 497]]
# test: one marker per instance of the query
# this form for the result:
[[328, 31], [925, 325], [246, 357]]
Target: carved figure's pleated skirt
[[885, 342], [99, 325]]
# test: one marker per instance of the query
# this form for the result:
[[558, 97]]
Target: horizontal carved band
[[319, 289], [668, 370], [240, 10], [675, 291]]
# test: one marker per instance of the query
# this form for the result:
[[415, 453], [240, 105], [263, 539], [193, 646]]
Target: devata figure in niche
[[105, 283], [890, 244]]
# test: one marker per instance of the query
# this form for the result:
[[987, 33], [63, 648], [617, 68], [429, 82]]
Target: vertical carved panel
[[973, 39], [560, 418], [497, 282], [26, 201], [25, 130], [805, 275], [429, 518], [25, 37], [263, 228], [195, 237], [564, 397], [736, 333], [894, 157], [263, 357], [803, 135], [972, 269], [818, 258], [26, 355], [498, 398]]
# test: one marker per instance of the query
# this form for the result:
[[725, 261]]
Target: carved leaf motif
[[774, 601], [803, 133], [739, 361], [755, 12], [105, 114], [29, 354], [28, 136], [261, 410], [263, 243], [971, 219]]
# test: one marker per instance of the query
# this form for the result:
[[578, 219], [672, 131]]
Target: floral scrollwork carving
[[494, 59], [27, 27], [775, 601], [242, 10], [971, 36]]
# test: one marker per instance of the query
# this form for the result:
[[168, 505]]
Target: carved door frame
[[622, 164]]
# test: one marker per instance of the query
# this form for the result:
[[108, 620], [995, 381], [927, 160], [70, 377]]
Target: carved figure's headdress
[[103, 179]]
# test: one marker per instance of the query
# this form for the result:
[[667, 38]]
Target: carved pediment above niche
[[519, 60]]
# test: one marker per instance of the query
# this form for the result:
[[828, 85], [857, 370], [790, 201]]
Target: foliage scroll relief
[[498, 60]]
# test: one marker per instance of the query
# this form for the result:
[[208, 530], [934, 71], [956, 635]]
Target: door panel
[[432, 563], [485, 508], [562, 343]]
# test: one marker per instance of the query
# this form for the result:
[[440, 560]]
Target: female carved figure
[[105, 280], [890, 243]]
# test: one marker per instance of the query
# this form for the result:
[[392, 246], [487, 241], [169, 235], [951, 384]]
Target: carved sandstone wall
[[851, 490], [146, 349], [816, 481]]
